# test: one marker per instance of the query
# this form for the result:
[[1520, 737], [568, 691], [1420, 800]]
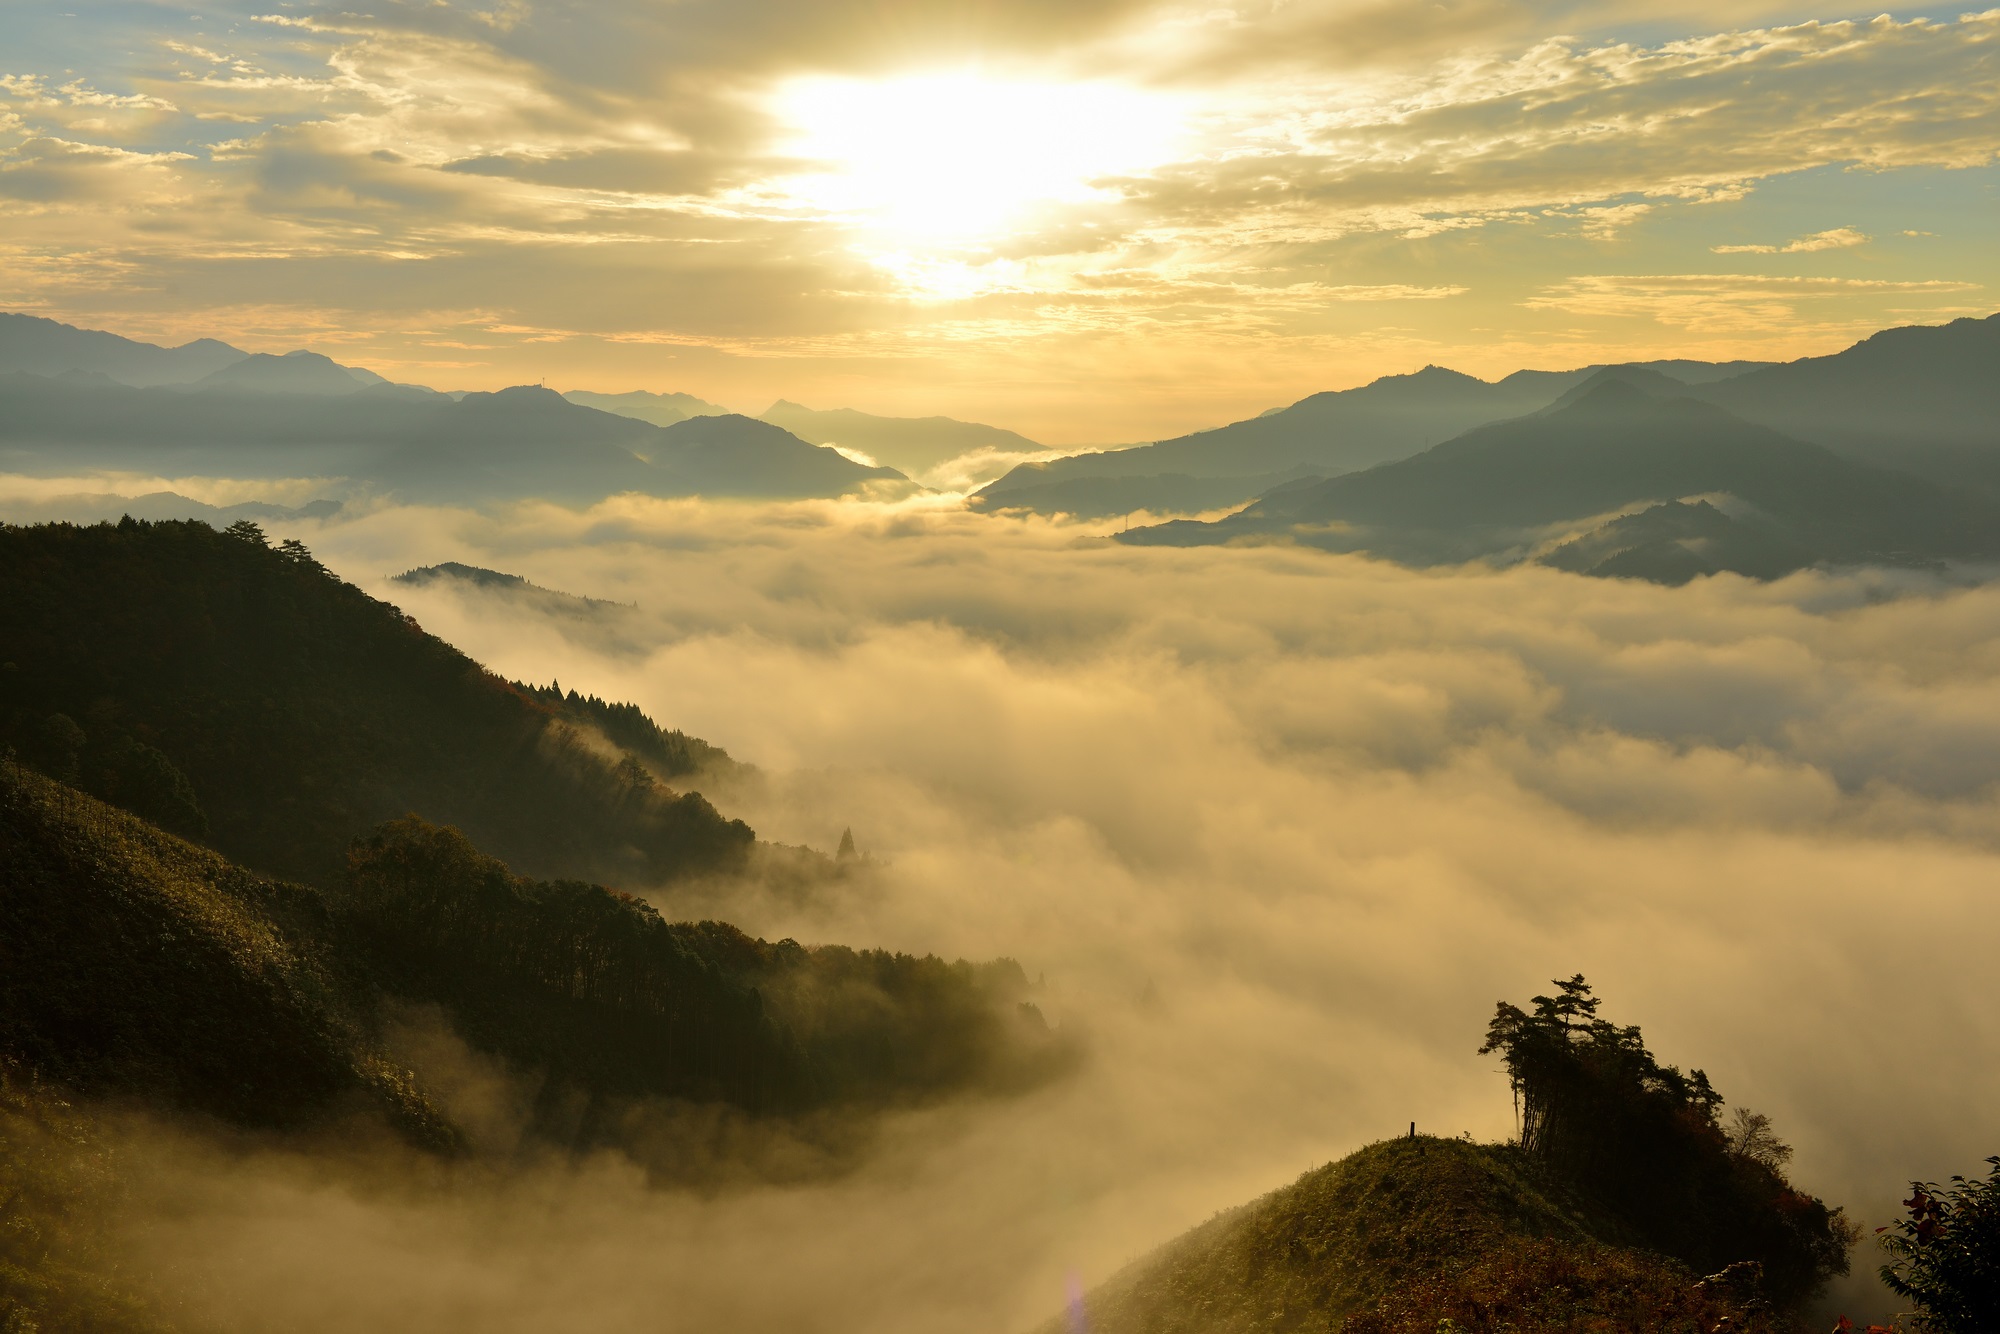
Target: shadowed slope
[[137, 965], [302, 712]]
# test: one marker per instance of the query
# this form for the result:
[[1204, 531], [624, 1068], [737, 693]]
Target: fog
[[1276, 828]]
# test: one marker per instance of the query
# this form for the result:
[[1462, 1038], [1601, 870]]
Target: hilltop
[[1626, 1204], [1423, 1222]]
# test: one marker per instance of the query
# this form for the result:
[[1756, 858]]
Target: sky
[[1091, 221]]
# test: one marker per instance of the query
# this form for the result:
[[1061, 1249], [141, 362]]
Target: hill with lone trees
[[1627, 1203]]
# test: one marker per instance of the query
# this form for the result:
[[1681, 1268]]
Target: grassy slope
[[1394, 1238]]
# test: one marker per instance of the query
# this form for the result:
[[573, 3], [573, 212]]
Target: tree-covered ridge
[[133, 963], [1647, 1143], [215, 681], [671, 753], [592, 989]]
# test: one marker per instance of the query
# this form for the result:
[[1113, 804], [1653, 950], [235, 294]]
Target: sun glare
[[959, 156]]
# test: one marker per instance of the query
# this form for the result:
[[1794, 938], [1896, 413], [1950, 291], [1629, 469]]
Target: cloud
[[44, 172], [1725, 302], [1839, 238]]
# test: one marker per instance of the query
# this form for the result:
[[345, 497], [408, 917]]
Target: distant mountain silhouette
[[549, 601], [735, 455], [292, 373], [1678, 541], [46, 347], [659, 409], [912, 444], [1608, 446], [1108, 497], [100, 506], [1922, 398], [523, 441], [1323, 435], [1553, 384]]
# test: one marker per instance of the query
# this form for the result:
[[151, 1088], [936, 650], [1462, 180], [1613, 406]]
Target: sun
[[956, 157]]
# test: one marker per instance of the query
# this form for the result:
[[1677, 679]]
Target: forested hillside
[[133, 963], [236, 691]]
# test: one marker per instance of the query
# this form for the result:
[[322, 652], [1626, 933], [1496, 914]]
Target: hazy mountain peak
[[299, 372], [647, 406], [42, 346], [1620, 385], [521, 395]]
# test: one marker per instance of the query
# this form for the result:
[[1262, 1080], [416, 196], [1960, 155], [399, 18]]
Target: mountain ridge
[[1612, 443]]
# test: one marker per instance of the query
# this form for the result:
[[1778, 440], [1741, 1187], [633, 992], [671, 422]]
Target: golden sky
[[1087, 220]]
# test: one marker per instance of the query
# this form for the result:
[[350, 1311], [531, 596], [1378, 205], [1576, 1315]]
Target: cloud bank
[[1276, 827]]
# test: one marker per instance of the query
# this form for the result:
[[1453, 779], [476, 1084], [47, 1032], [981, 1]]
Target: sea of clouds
[[1274, 828]]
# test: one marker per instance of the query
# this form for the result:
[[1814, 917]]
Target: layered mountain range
[[74, 400], [1886, 453]]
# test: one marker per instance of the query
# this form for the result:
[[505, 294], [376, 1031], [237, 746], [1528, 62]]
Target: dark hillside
[[212, 682], [134, 965], [603, 999]]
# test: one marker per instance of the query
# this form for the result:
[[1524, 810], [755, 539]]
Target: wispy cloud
[[1726, 302], [1839, 238]]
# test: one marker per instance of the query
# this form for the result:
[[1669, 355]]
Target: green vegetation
[[1947, 1254], [215, 682], [59, 1271], [1623, 1191]]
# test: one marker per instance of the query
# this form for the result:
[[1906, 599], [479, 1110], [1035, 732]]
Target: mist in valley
[[1272, 830]]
